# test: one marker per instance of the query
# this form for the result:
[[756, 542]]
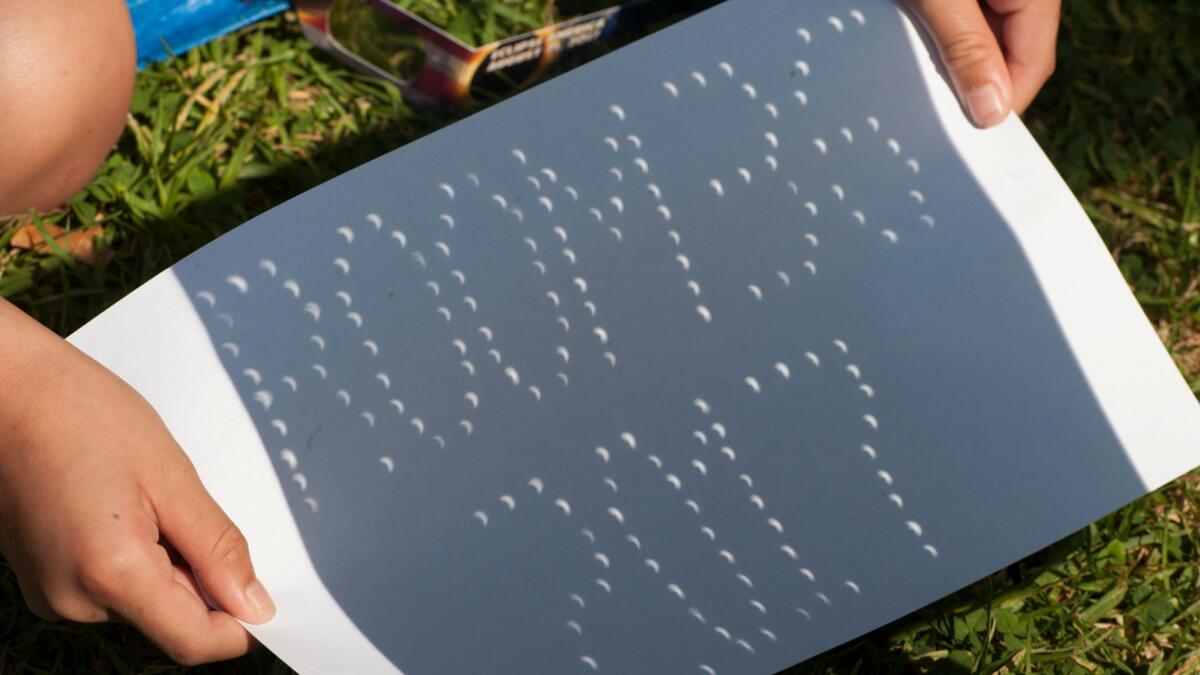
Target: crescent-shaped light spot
[[811, 267], [789, 551], [616, 232], [699, 78], [500, 201], [775, 525], [931, 550], [269, 266], [871, 421], [674, 481], [633, 539], [677, 591], [816, 360], [562, 321], [745, 645], [590, 662], [540, 266], [684, 262], [653, 564], [574, 625], [519, 154], [745, 478], [858, 16], [254, 375], [629, 439], [837, 24], [388, 463], [824, 598], [313, 506], [208, 297], [447, 219], [870, 451], [565, 380], [370, 419], [894, 145], [612, 143], [344, 297], [596, 214], [536, 484], [289, 458], [804, 35], [771, 110], [601, 333], [694, 287], [232, 348], [758, 501], [470, 368], [642, 164], [355, 318], [854, 370], [802, 67], [717, 187], [750, 90], [821, 145], [720, 429], [290, 382], [611, 358], [671, 89], [546, 202], [637, 142], [654, 190], [915, 527], [537, 393], [447, 188], [238, 282], [838, 192], [473, 178], [769, 635], [745, 174], [723, 633], [708, 532], [509, 501], [603, 583], [617, 203], [513, 375], [321, 371], [745, 580], [537, 184], [858, 215], [695, 613], [281, 427], [700, 466], [808, 574], [868, 390], [726, 68], [591, 536], [495, 354], [700, 436], [473, 399], [313, 310], [226, 319], [884, 476], [653, 459], [728, 452], [928, 220], [801, 97], [772, 139], [569, 255], [611, 484], [847, 134], [897, 500], [344, 397], [577, 599], [518, 214], [753, 384], [618, 111], [616, 514], [664, 212], [772, 163], [419, 425], [460, 346], [581, 283], [347, 234], [755, 291], [400, 237], [914, 165], [481, 517], [342, 264], [727, 556], [371, 347], [550, 174], [691, 504], [264, 398], [916, 194], [471, 303], [702, 406]]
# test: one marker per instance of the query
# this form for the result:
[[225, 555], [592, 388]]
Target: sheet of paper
[[705, 357]]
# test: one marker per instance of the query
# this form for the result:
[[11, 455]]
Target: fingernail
[[985, 104], [260, 601]]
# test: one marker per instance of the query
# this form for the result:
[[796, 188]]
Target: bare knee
[[66, 77]]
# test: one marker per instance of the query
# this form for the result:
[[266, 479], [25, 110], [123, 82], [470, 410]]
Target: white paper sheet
[[705, 357]]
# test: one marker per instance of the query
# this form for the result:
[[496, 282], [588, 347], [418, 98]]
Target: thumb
[[213, 547], [971, 53]]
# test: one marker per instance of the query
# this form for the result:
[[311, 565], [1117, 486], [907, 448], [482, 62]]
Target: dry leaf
[[79, 243]]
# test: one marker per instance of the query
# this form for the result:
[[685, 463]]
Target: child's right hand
[[102, 516]]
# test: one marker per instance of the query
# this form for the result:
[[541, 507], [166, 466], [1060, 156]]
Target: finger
[[139, 584], [1029, 35], [213, 546], [972, 56]]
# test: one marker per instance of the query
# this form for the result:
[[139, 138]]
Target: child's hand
[[102, 516], [999, 52]]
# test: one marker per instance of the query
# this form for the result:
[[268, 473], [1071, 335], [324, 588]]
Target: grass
[[234, 128]]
